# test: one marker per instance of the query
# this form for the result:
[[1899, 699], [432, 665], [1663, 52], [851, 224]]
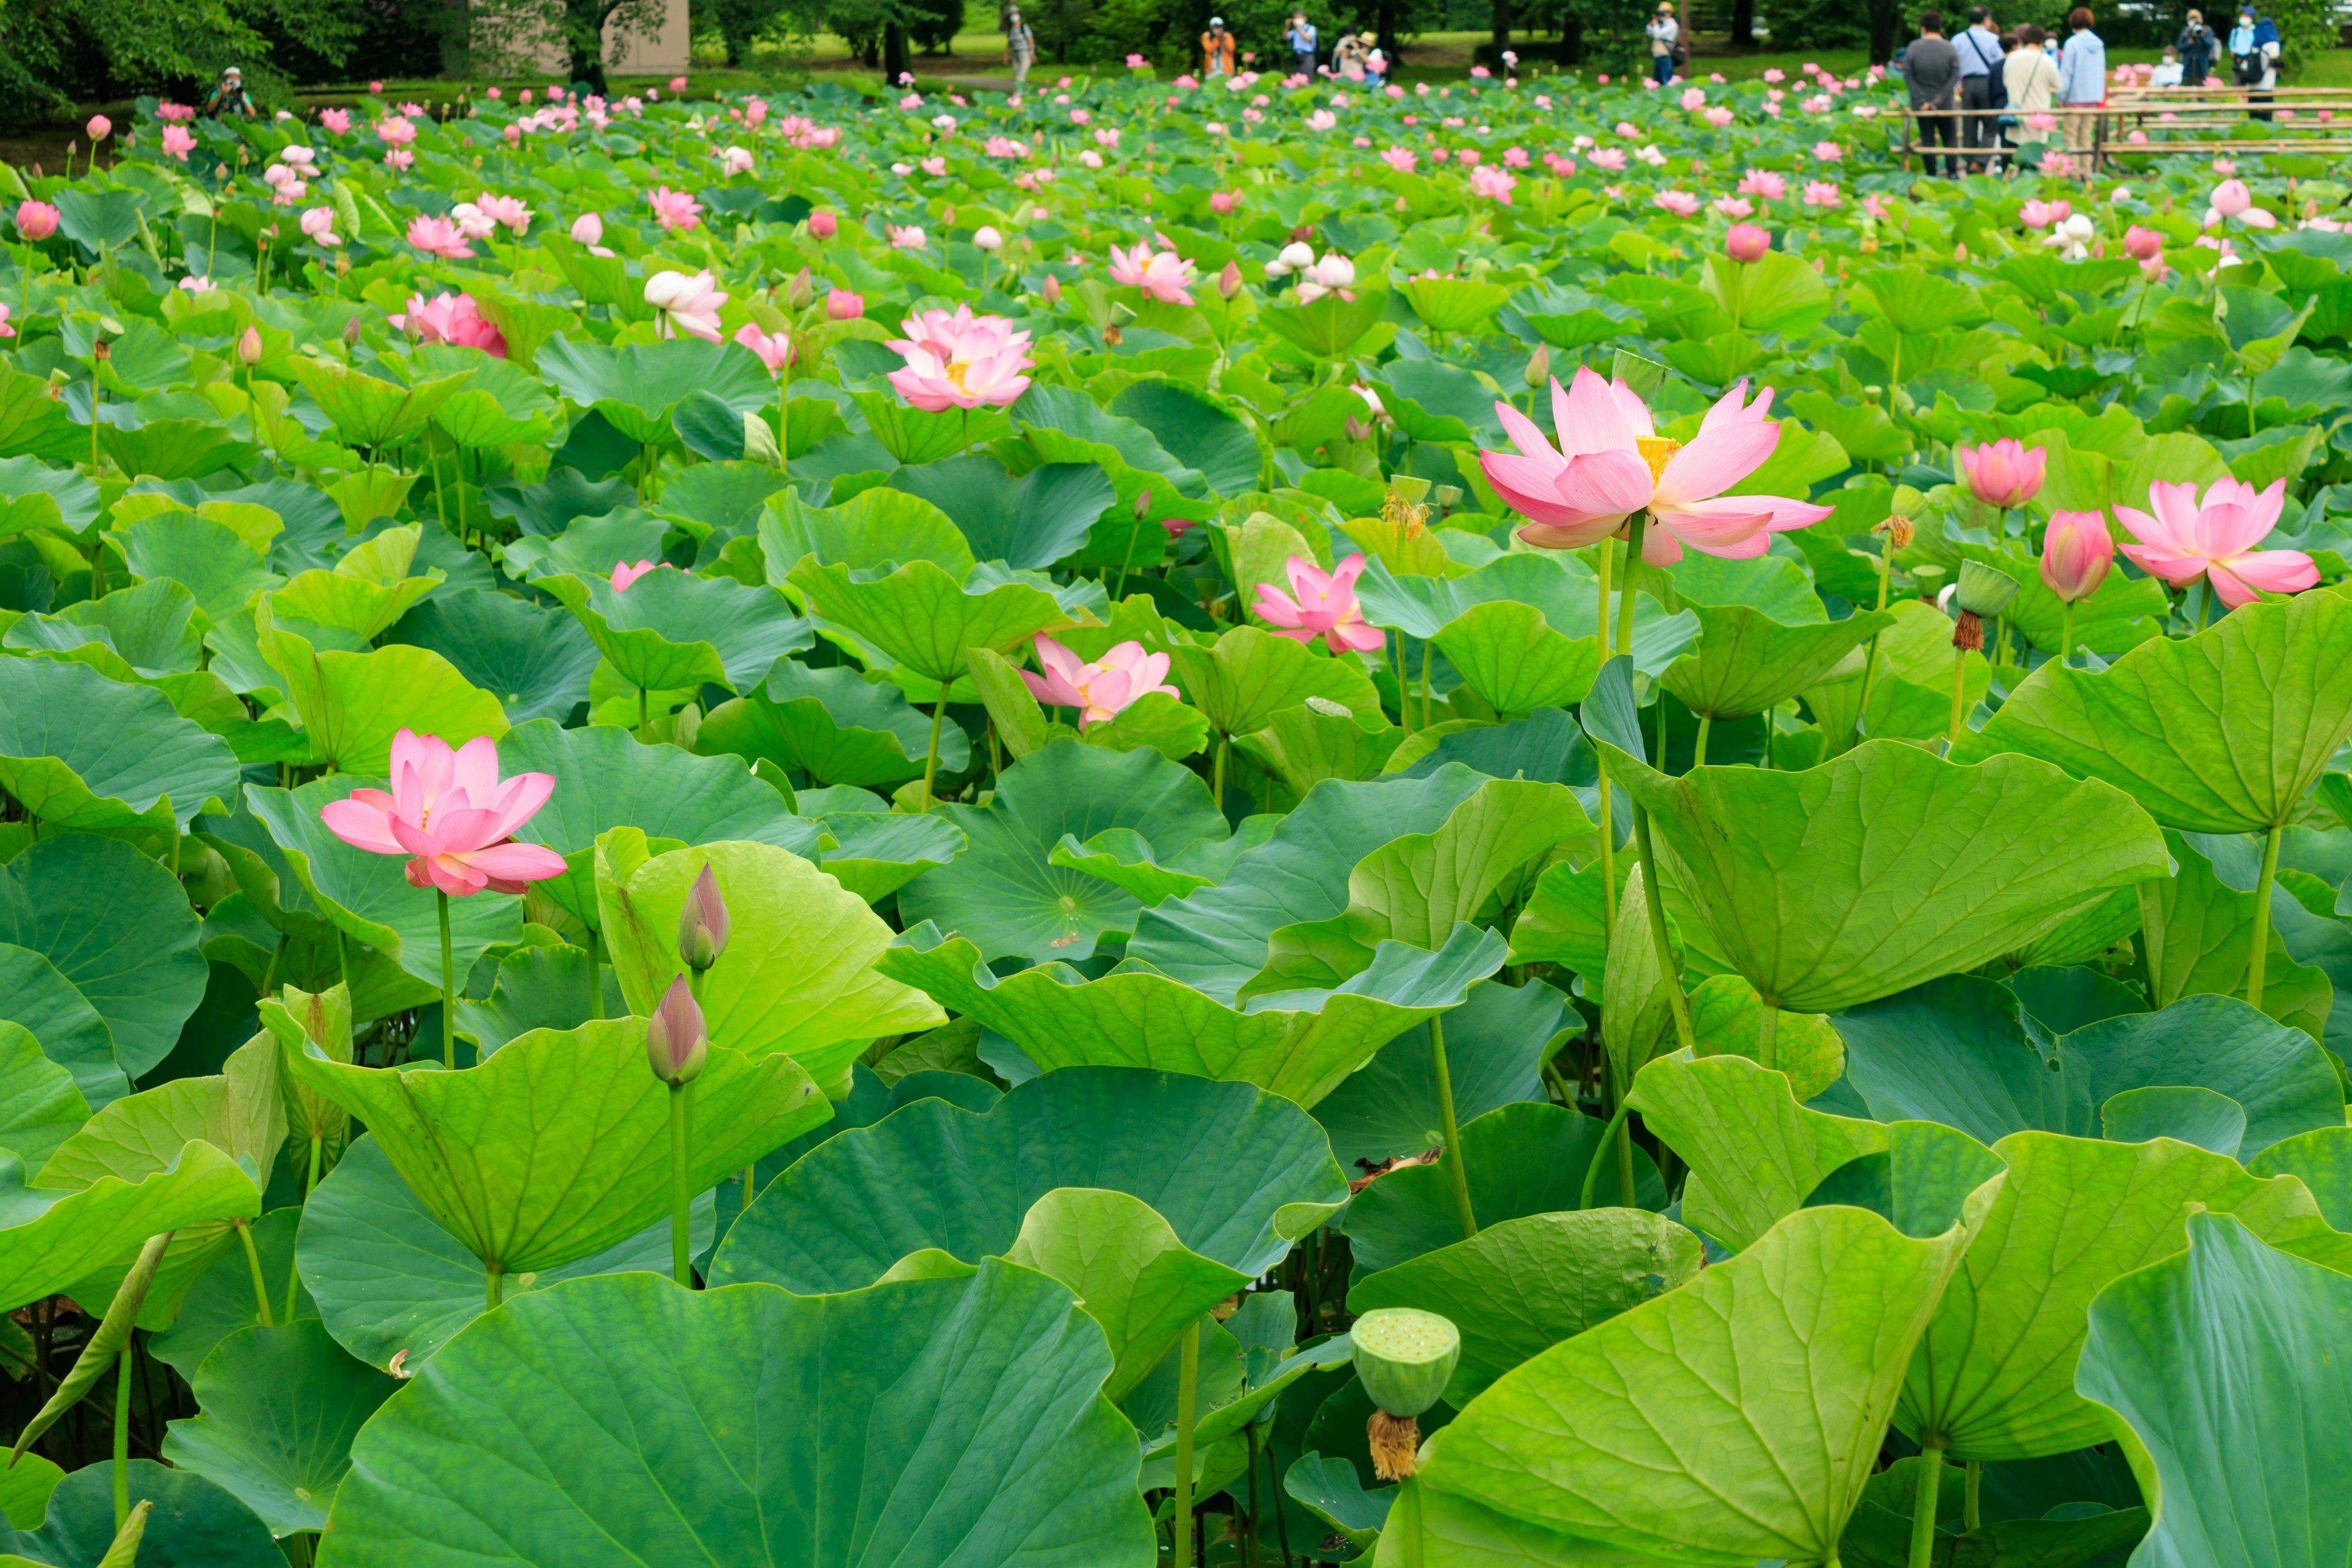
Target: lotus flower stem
[[1698, 747], [448, 990], [1455, 1168], [1609, 1139], [1249, 1540], [931, 754], [1428, 651], [122, 1433], [596, 978], [1225, 748], [2066, 634], [1187, 1399], [1924, 1499], [1600, 771], [1973, 1517], [312, 1184], [1634, 524], [1960, 679], [2258, 958], [1655, 889], [1767, 1030], [496, 1289], [680, 1200], [253, 1263]]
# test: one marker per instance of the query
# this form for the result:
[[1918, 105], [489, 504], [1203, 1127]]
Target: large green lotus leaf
[[66, 501], [1301, 1044], [222, 1300], [2221, 732], [280, 1407], [1064, 425], [2195, 1116], [878, 528], [1755, 1154], [1956, 1051], [24, 1489], [117, 927], [671, 629], [1248, 675], [877, 853], [71, 1034], [217, 564], [2228, 1368], [1152, 1196], [1524, 1159], [605, 778], [351, 705], [534, 659], [635, 386], [1003, 891], [1422, 605], [2196, 937], [589, 546], [369, 900], [339, 600], [1495, 1043], [1727, 1019], [558, 1145], [195, 1524], [798, 977], [536, 988], [151, 628], [1216, 940], [835, 725], [1879, 1533], [1033, 520], [80, 752], [1126, 859], [369, 412], [2322, 1160], [1736, 1418], [1994, 1375], [1886, 866], [1505, 653], [1519, 1287], [390, 1283], [40, 1107], [55, 1236], [1746, 662], [921, 618], [948, 1421]]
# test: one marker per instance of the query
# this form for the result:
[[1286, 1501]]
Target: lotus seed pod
[[1985, 591], [1406, 1357]]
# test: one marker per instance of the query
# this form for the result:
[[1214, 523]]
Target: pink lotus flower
[[395, 131], [2182, 541], [451, 319], [1682, 204], [337, 121], [1222, 203], [1611, 463], [1733, 207], [2004, 473], [35, 221], [689, 302], [674, 210], [318, 224], [1163, 276], [1402, 160], [906, 238], [452, 815], [1764, 183], [178, 142], [2042, 214], [1822, 194], [2077, 552], [960, 361], [2143, 243], [774, 349], [841, 305], [510, 211], [1099, 691], [822, 225], [1325, 607], [625, 573], [6, 330], [438, 237], [1747, 242], [2231, 197]]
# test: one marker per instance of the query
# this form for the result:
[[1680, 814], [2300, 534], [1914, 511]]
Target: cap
[[1216, 21]]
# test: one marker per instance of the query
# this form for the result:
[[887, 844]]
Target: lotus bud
[[1142, 505], [677, 1040], [1229, 281], [248, 347], [1357, 428], [988, 238], [947, 217], [1539, 367], [352, 331], [1052, 291], [823, 225], [803, 291], [2076, 554], [703, 925], [1405, 1358]]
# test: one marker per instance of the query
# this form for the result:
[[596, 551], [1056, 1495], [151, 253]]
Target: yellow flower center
[[1657, 451], [955, 369]]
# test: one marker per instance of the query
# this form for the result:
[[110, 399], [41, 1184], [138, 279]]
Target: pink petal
[[1274, 605], [1609, 483], [1733, 527], [2227, 530], [1526, 485], [417, 840], [475, 770], [1526, 435], [520, 799], [1715, 460], [2270, 571], [363, 824], [2176, 511], [513, 862], [1598, 420], [1573, 531], [1357, 634]]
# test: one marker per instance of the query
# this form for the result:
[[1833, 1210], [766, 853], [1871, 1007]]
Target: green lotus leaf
[[2196, 934], [1494, 1044], [2225, 1368], [1004, 892], [1505, 653], [352, 704], [536, 661], [390, 1283], [1422, 603], [1524, 1159], [1828, 867], [55, 1235], [980, 1433], [1126, 859], [2322, 1160], [536, 988], [1152, 1196], [1066, 425], [2194, 1116], [1918, 1183], [367, 897], [215, 564], [280, 1407], [798, 977], [1956, 1051], [195, 1524], [1302, 747], [920, 618], [1727, 1019], [83, 752], [64, 500], [558, 1146], [117, 927], [589, 546], [1755, 1154], [1738, 1417], [1248, 675], [350, 598], [1216, 940], [366, 411], [1994, 1377], [2221, 733], [1520, 1287], [151, 629], [25, 1490], [877, 853], [876, 529], [1332, 1491], [1879, 1533], [1033, 520], [1746, 662], [40, 1107], [70, 1032], [672, 629], [1300, 1045], [835, 725], [222, 1300], [605, 778], [637, 386]]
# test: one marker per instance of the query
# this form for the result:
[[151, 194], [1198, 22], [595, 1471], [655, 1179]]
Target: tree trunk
[[1571, 39], [896, 59], [1384, 28], [1502, 29], [588, 61], [1882, 31], [1743, 22]]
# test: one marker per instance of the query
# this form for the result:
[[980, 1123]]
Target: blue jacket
[[2082, 68]]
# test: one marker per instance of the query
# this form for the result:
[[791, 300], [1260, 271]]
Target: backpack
[[1997, 85]]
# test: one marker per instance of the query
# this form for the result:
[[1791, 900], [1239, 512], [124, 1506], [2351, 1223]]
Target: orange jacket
[[1217, 53]]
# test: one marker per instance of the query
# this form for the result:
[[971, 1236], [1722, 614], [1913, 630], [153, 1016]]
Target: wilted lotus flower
[[678, 1041], [703, 925]]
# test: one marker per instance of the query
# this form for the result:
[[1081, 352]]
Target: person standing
[[1020, 47], [2030, 75], [1931, 70], [1216, 49], [1302, 44], [2197, 46], [1376, 64], [1983, 89], [2257, 65], [2081, 80], [229, 100], [1665, 35]]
